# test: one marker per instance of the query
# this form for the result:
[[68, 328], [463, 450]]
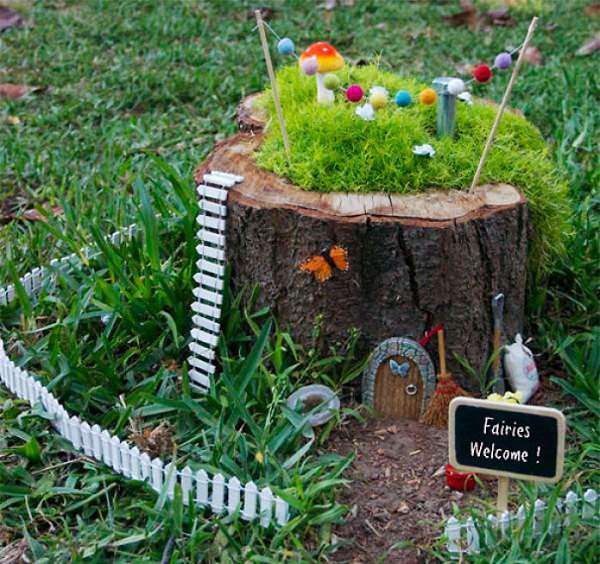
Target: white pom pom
[[456, 86], [366, 112]]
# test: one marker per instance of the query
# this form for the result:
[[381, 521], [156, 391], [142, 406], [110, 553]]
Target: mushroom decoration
[[328, 60]]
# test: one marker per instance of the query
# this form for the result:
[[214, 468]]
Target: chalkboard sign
[[503, 439]]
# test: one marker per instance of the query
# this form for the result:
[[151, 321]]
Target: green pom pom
[[331, 82]]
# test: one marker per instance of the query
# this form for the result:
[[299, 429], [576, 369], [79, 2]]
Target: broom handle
[[442, 352]]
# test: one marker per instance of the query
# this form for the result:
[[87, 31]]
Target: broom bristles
[[446, 390]]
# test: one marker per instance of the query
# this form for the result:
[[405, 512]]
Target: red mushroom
[[328, 60]]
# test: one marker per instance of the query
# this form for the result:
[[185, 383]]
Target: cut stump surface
[[415, 260]]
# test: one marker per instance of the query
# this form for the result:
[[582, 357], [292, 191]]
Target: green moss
[[334, 150]]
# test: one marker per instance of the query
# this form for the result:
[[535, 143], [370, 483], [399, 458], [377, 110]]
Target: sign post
[[506, 440]]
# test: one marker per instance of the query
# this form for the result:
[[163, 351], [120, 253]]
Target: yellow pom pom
[[378, 100], [428, 96]]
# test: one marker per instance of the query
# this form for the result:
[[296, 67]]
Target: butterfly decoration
[[323, 265], [399, 369]]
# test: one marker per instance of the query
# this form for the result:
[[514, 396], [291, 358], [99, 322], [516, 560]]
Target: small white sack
[[520, 369]]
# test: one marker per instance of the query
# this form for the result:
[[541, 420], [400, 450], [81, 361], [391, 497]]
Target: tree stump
[[415, 260]]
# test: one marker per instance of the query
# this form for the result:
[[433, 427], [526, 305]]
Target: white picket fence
[[209, 277], [216, 493], [34, 281], [464, 537]]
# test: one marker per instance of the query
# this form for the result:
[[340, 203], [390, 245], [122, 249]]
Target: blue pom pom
[[285, 46], [403, 98]]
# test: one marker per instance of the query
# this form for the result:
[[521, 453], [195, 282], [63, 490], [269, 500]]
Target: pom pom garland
[[331, 82], [378, 97], [503, 61], [285, 46], [428, 96], [456, 86], [309, 66], [403, 98], [354, 93], [482, 73]]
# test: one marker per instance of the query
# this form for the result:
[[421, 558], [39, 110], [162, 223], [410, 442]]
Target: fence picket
[[86, 438], [538, 516], [504, 523], [106, 447], [96, 441], [233, 495], [266, 506], [201, 487], [250, 497], [491, 526], [170, 473], [555, 522], [125, 459], [281, 511], [145, 466], [115, 453], [136, 472], [452, 532], [571, 500], [157, 474], [521, 516], [472, 537], [590, 501], [75, 432], [186, 484], [218, 493]]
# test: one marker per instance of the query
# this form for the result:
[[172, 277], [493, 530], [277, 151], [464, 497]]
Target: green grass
[[139, 94], [334, 150]]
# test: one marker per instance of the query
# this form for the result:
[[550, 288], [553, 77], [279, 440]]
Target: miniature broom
[[436, 413]]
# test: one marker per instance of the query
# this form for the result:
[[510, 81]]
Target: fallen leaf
[[266, 13], [499, 17], [34, 215], [592, 10], [415, 452], [403, 508], [9, 18], [16, 91], [156, 442], [388, 472], [533, 56], [468, 16], [13, 120], [15, 552], [589, 47]]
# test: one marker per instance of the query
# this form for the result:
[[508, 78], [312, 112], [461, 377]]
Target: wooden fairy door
[[399, 388]]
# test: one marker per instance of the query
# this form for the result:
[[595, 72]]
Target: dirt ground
[[398, 488], [397, 492]]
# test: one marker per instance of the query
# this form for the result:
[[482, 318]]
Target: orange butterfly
[[322, 265]]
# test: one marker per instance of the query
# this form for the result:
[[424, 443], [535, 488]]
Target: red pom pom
[[354, 93], [482, 73]]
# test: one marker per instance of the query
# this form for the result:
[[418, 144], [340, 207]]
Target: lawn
[[135, 95]]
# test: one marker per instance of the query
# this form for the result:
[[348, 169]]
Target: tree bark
[[415, 260]]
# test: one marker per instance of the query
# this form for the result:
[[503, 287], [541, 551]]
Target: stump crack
[[412, 271]]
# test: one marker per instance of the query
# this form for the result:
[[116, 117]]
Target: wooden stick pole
[[502, 503], [442, 352], [507, 92], [265, 47]]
